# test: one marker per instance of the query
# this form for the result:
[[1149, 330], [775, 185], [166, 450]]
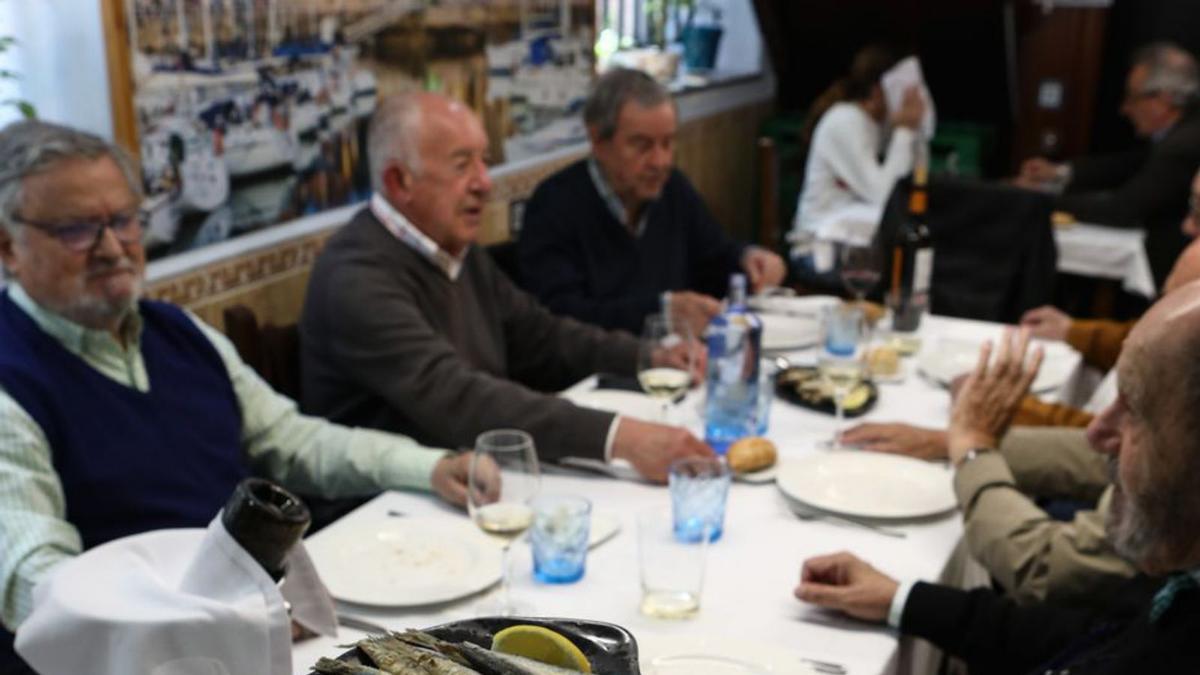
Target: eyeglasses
[[83, 235], [1132, 97]]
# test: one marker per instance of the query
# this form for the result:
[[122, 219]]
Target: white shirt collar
[[403, 229]]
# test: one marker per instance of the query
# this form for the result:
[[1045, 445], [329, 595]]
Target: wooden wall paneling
[[120, 74], [1063, 46]]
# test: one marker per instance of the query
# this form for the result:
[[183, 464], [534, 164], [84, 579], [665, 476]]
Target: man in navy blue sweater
[[623, 234]]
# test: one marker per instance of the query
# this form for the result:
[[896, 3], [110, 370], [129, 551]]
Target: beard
[[94, 309], [1147, 525]]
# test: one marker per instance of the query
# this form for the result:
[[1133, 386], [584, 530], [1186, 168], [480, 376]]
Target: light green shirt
[[303, 453]]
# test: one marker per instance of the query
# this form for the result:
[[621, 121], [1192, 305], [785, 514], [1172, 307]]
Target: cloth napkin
[[172, 602]]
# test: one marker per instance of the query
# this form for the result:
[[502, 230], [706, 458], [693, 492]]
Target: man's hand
[[991, 395], [1037, 172], [693, 310], [911, 111], [843, 582], [450, 478], [763, 268], [1047, 322], [652, 447], [899, 439], [687, 355]]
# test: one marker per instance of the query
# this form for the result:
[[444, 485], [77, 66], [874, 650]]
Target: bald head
[[1151, 429], [398, 126]]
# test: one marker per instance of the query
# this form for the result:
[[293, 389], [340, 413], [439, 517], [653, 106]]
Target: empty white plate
[[868, 484], [947, 358], [789, 332], [401, 562], [715, 655]]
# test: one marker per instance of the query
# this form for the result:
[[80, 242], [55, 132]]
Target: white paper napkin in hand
[[905, 74], [169, 602]]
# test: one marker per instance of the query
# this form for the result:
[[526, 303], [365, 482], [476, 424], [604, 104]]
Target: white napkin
[[895, 82], [171, 602]]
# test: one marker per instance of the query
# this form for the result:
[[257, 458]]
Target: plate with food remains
[[495, 646], [804, 386]]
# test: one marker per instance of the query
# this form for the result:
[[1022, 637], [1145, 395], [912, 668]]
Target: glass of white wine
[[503, 480], [840, 362], [665, 381]]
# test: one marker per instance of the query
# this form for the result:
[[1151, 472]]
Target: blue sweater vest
[[129, 461]]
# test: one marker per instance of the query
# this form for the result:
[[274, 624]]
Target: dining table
[[747, 605]]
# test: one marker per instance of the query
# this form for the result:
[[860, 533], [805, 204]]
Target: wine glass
[[861, 267], [665, 381], [840, 362], [503, 479]]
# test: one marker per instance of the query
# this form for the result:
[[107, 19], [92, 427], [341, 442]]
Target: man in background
[[623, 234], [1146, 187]]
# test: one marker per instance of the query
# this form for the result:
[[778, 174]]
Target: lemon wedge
[[540, 644]]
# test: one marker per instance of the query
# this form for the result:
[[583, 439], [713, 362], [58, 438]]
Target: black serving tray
[[611, 649], [797, 385]]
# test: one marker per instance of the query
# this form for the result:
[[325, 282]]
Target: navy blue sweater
[[579, 260]]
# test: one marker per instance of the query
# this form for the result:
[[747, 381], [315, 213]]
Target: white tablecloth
[[1107, 253], [752, 569]]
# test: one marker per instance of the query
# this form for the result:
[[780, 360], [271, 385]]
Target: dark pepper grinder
[[267, 521]]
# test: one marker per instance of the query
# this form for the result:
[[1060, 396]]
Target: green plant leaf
[[27, 109]]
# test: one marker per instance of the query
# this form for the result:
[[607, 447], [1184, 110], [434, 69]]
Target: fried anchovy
[[395, 656], [332, 667]]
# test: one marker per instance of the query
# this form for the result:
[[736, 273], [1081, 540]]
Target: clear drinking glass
[[503, 480], [665, 382], [672, 571], [559, 538], [861, 267], [841, 360]]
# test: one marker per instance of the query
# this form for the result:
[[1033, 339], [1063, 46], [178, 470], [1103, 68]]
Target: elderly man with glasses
[[120, 415], [1146, 187]]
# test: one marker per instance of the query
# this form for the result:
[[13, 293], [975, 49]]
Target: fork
[[358, 623], [805, 512]]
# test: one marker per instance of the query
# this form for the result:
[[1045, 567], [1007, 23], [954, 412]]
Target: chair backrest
[[272, 351], [994, 251], [504, 254]]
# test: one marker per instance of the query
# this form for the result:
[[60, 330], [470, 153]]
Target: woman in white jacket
[[845, 166]]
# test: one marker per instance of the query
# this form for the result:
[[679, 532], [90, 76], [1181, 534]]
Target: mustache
[[100, 267]]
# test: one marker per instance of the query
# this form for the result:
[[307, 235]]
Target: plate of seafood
[[494, 646]]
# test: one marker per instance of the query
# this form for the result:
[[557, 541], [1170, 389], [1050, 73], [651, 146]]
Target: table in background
[[753, 568], [1106, 253]]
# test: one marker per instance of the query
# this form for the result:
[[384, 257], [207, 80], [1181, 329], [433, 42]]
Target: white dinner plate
[[401, 562], [715, 655], [789, 332], [627, 403], [947, 358], [868, 484], [807, 305]]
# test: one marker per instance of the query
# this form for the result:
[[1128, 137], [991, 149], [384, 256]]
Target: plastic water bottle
[[734, 341]]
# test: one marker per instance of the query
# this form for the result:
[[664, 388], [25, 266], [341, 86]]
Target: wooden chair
[[272, 351]]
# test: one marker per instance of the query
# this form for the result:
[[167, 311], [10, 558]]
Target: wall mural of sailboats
[[254, 112]]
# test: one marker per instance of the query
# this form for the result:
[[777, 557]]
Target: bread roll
[[751, 454]]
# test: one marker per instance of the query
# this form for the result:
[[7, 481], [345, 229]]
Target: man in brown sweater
[[409, 326]]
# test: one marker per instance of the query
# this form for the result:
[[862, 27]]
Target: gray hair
[[613, 90], [30, 147], [394, 135], [1170, 70]]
